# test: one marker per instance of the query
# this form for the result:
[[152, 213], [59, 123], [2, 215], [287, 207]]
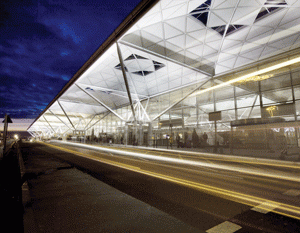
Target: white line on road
[[265, 207], [225, 227], [292, 192]]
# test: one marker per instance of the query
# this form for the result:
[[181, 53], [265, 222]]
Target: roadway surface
[[209, 192]]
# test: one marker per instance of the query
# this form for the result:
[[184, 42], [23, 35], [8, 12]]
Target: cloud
[[44, 43]]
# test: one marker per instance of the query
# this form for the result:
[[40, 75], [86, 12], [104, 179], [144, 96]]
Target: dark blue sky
[[44, 43]]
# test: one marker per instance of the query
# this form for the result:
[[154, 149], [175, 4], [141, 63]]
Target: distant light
[[16, 136]]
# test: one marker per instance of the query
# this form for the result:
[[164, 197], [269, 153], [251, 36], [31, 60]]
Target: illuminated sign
[[278, 110]]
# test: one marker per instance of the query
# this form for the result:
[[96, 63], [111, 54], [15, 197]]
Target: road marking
[[265, 207], [225, 227], [292, 192]]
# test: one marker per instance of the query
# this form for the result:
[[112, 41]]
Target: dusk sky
[[44, 43]]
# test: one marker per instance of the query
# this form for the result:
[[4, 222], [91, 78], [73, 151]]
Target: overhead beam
[[177, 102], [125, 79], [100, 102], [115, 92], [97, 121], [31, 133], [90, 121], [65, 114], [253, 106], [59, 118], [48, 123]]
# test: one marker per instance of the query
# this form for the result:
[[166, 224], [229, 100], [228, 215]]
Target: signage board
[[278, 110], [215, 116]]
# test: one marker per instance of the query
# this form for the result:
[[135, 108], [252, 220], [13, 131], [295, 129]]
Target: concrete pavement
[[58, 197]]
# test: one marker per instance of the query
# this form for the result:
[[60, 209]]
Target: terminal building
[[188, 73]]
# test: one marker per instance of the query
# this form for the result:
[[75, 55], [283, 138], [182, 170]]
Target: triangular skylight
[[146, 65], [270, 6], [203, 14]]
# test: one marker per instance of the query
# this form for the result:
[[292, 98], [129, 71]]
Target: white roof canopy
[[176, 44]]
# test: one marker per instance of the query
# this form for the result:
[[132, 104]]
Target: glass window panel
[[245, 113], [296, 76], [246, 101], [221, 127], [190, 101], [228, 116], [176, 113], [225, 105], [297, 106], [188, 112], [245, 88], [224, 93], [277, 96], [297, 92], [277, 82], [205, 98], [203, 118], [207, 107]]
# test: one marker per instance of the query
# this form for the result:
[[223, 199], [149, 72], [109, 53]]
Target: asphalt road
[[206, 191]]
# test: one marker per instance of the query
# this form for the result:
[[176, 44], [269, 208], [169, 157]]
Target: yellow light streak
[[198, 172], [244, 77], [193, 163], [204, 156], [257, 78], [227, 194]]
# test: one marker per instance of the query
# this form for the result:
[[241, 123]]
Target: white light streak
[[235, 168]]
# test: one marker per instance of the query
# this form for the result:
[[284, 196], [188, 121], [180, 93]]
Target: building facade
[[189, 74]]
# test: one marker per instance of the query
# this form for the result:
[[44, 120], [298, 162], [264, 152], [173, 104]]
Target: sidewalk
[[61, 198]]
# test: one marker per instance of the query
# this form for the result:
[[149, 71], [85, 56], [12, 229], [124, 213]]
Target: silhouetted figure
[[205, 137], [195, 139]]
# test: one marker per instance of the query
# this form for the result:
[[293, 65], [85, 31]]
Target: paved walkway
[[60, 198]]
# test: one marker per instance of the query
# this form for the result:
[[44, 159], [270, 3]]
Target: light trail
[[245, 77], [226, 158], [283, 209], [252, 171]]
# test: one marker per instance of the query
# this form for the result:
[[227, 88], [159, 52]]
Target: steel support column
[[66, 114], [49, 124], [183, 98], [125, 79], [59, 119], [100, 102]]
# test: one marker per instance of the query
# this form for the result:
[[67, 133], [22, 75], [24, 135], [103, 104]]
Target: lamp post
[[5, 121]]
